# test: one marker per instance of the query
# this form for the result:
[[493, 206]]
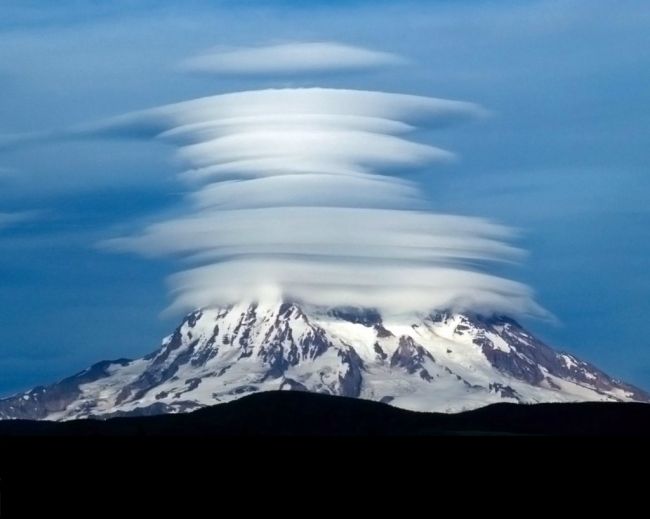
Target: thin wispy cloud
[[10, 219], [289, 58]]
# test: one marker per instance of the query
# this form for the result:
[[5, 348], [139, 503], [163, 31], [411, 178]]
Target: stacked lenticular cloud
[[293, 197]]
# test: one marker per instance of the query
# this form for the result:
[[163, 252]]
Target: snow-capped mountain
[[443, 362]]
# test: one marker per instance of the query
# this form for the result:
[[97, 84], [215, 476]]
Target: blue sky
[[564, 158]]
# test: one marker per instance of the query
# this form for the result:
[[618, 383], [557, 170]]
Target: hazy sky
[[564, 158]]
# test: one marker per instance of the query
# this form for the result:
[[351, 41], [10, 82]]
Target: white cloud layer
[[393, 287], [292, 196], [288, 58]]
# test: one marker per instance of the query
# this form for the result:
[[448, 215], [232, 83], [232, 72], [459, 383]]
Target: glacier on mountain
[[445, 362]]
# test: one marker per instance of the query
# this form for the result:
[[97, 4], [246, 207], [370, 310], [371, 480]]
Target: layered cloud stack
[[296, 193]]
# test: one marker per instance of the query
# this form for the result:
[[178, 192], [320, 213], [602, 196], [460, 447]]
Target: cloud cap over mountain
[[296, 193]]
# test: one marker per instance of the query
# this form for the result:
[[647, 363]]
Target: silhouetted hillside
[[302, 413]]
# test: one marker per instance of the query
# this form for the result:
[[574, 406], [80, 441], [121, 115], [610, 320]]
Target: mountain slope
[[443, 362]]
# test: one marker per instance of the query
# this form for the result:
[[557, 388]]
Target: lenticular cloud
[[294, 195], [289, 58]]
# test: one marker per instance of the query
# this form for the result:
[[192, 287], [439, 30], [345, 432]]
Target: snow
[[569, 362], [460, 381], [498, 342], [361, 338]]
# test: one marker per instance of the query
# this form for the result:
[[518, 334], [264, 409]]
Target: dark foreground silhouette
[[301, 413]]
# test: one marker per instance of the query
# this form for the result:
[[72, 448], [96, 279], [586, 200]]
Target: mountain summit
[[445, 362]]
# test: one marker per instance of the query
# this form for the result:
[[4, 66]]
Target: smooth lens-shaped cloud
[[295, 194], [289, 58]]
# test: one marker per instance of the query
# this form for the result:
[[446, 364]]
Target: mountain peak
[[443, 361]]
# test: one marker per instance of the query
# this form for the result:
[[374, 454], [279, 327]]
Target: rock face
[[441, 362]]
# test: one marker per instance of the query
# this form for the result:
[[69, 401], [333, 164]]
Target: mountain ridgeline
[[441, 362]]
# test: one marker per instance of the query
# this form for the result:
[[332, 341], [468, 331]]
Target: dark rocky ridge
[[299, 413]]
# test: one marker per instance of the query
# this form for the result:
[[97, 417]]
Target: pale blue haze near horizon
[[564, 158]]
